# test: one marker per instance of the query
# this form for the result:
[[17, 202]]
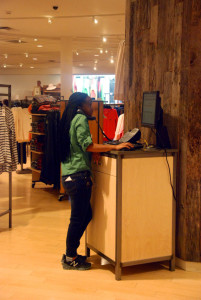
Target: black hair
[[75, 102]]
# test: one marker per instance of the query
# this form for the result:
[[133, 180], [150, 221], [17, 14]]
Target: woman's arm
[[106, 148]]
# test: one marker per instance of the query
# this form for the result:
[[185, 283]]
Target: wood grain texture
[[101, 230], [166, 56], [146, 208], [106, 165]]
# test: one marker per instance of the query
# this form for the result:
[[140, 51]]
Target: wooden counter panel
[[146, 208], [101, 230], [106, 165]]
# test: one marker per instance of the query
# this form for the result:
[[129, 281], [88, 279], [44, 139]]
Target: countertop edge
[[139, 152]]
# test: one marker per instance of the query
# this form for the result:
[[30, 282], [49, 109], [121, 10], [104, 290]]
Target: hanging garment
[[18, 123], [22, 119], [8, 145], [50, 173], [120, 128], [110, 122], [24, 153], [26, 121]]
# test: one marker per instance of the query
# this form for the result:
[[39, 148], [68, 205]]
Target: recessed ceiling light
[[101, 51], [49, 20], [95, 68], [26, 55], [34, 58], [31, 67], [6, 55], [95, 20], [95, 61], [19, 41], [81, 65], [111, 60], [104, 39], [106, 51], [5, 66], [21, 65], [77, 53], [96, 54], [35, 40], [39, 46]]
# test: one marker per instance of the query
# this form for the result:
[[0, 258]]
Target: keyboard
[[136, 147]]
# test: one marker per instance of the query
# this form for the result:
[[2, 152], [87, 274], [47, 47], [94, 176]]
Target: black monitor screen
[[151, 103]]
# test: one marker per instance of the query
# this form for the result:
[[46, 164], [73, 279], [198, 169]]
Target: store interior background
[[163, 51], [72, 37]]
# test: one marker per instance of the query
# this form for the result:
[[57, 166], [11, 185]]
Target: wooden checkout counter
[[133, 208]]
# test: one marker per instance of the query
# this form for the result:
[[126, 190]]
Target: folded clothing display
[[37, 164], [37, 144], [42, 107], [43, 98], [48, 107], [38, 126]]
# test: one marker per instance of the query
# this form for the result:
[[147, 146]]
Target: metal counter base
[[118, 268]]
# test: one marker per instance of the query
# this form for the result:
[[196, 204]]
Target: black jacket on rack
[[50, 173]]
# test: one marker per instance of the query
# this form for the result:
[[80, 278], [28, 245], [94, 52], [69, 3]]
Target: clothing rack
[[9, 210]]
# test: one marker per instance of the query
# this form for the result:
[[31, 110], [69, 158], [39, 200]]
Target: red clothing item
[[48, 107], [110, 122]]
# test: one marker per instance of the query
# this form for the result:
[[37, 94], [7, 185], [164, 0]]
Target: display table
[[133, 208]]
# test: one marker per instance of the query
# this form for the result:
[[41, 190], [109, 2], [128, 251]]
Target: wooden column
[[163, 52]]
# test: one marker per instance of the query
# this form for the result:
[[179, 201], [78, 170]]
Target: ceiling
[[29, 20]]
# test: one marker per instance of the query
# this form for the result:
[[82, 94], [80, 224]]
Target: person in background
[[39, 85], [76, 148], [5, 102]]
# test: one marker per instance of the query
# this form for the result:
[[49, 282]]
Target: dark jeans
[[79, 190]]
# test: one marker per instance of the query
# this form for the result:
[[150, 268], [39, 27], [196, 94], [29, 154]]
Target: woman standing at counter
[[76, 148]]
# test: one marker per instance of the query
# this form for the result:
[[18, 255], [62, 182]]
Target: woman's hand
[[124, 145]]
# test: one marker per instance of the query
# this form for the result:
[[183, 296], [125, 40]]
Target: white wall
[[23, 85]]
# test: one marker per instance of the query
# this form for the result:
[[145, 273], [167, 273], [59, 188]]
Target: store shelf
[[37, 171], [33, 151], [52, 92], [38, 133], [39, 115]]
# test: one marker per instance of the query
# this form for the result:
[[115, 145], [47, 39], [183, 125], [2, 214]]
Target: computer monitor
[[151, 109]]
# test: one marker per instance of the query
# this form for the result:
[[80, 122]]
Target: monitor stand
[[162, 138]]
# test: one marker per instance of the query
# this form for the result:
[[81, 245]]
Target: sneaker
[[76, 264], [82, 257]]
